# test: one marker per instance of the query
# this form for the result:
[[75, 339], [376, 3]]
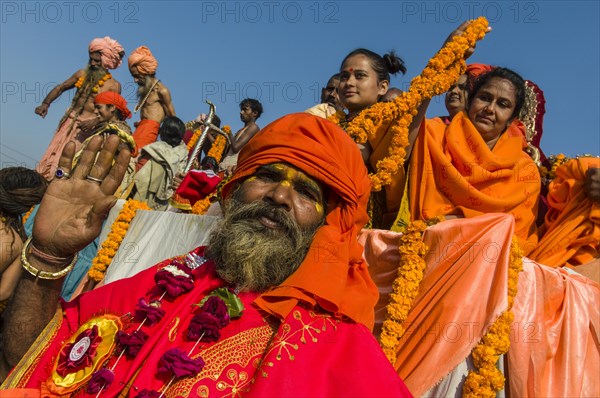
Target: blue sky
[[282, 52]]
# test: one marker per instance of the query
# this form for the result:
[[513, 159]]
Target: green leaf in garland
[[235, 308]]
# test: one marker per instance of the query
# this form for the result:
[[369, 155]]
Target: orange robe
[[572, 223], [454, 172], [145, 133]]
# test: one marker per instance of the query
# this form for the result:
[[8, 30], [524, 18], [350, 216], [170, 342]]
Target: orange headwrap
[[475, 70], [112, 98], [110, 50], [143, 59], [333, 274]]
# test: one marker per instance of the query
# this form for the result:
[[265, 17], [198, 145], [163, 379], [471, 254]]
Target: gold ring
[[98, 180]]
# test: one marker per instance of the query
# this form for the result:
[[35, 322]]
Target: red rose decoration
[[131, 343], [149, 311], [79, 354], [205, 325], [100, 380], [148, 394], [216, 306], [177, 363], [175, 279]]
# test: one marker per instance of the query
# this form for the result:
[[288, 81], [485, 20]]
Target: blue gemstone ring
[[60, 173]]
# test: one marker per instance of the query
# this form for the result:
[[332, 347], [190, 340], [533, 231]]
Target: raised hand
[[75, 205], [459, 31], [42, 110]]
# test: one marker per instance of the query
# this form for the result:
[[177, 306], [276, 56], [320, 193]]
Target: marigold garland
[[486, 380], [442, 70], [556, 162], [100, 83], [26, 215], [217, 148], [405, 287], [202, 205], [110, 246], [192, 142]]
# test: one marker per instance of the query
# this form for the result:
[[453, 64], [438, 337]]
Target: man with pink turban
[[79, 120], [154, 97]]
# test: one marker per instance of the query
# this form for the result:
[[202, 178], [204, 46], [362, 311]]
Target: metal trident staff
[[207, 127]]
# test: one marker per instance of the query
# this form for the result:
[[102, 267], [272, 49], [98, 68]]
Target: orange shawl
[[454, 172], [573, 221], [333, 275]]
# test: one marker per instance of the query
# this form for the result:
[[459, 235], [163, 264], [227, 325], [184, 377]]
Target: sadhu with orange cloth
[[476, 164], [154, 97], [281, 285]]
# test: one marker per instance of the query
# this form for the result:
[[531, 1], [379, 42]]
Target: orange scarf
[[572, 223], [333, 274], [454, 172]]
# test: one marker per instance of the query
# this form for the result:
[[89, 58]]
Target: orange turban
[[143, 59], [334, 274], [110, 50], [112, 98], [475, 70]]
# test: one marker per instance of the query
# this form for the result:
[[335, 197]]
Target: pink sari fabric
[[556, 333], [67, 131], [463, 292], [450, 314]]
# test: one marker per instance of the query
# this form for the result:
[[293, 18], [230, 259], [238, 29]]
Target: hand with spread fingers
[[78, 200]]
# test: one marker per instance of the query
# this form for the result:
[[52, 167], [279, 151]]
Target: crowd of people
[[351, 249]]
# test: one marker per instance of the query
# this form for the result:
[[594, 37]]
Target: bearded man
[[285, 260], [153, 96], [77, 123]]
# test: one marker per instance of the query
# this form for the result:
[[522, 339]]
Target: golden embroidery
[[238, 350], [202, 391], [239, 381], [282, 340], [20, 375], [173, 331]]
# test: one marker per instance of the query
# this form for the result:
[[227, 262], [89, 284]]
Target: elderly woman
[[476, 164]]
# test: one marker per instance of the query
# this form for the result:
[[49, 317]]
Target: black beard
[[251, 256]]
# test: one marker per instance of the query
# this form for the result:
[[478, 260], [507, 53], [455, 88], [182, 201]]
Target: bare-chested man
[[79, 120], [154, 97], [250, 110]]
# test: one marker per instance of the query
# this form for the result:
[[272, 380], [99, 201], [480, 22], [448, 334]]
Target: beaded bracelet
[[46, 257]]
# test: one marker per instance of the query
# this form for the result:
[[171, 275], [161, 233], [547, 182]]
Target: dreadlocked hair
[[20, 189]]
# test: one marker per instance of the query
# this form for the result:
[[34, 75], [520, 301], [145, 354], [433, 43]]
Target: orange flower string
[[201, 206], [486, 380], [405, 287], [117, 233], [218, 147], [26, 215], [192, 142], [100, 83], [437, 77]]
